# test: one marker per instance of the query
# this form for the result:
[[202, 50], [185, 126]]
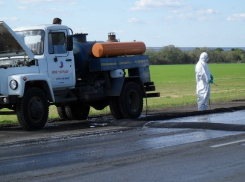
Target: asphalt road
[[123, 151]]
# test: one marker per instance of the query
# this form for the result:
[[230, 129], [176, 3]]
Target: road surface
[[119, 151]]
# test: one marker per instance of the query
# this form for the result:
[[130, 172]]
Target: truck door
[[60, 61]]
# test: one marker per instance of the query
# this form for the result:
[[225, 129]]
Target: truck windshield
[[34, 39]]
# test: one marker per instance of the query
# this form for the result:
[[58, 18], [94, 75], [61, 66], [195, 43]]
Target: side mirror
[[69, 43]]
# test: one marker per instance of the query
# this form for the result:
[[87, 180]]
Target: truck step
[[7, 112], [148, 83], [149, 86], [65, 100], [155, 94]]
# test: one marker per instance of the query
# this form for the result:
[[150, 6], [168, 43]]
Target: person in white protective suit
[[203, 79]]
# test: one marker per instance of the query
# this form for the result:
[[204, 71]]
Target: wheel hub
[[35, 109], [133, 101]]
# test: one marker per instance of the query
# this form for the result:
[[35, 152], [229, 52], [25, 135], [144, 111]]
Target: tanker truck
[[49, 65]]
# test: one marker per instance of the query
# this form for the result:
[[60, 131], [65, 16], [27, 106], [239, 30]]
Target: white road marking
[[229, 143]]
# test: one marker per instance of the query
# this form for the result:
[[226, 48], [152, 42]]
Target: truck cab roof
[[11, 45], [42, 27]]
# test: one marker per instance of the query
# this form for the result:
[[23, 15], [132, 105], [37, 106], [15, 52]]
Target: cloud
[[35, 2], [52, 11], [190, 16], [57, 10], [22, 7], [169, 18], [119, 31], [133, 20], [208, 11], [9, 19], [1, 3], [205, 18], [201, 15], [186, 16], [237, 17], [149, 4]]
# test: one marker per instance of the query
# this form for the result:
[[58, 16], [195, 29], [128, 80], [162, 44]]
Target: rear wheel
[[115, 108], [61, 112], [77, 111], [131, 100], [33, 109]]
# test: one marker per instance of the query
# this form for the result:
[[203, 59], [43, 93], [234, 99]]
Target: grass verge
[[177, 86]]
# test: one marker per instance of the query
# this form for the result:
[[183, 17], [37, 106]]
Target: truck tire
[[62, 112], [33, 110], [77, 111], [131, 100], [115, 108]]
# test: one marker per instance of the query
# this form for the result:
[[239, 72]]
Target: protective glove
[[212, 79]]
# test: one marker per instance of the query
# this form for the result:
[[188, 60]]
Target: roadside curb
[[197, 125], [173, 115]]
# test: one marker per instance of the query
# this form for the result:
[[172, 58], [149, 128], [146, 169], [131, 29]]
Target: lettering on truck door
[[60, 62]]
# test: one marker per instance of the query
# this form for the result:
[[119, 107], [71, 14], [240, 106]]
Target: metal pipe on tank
[[112, 37]]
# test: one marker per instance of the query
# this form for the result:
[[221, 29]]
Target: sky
[[158, 23]]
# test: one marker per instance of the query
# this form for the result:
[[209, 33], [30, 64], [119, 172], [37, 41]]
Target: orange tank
[[118, 48]]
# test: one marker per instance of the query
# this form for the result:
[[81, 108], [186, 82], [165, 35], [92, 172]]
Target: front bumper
[[9, 99]]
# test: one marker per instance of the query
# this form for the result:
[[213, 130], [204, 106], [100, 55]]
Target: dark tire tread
[[77, 111], [124, 99], [62, 112], [115, 108]]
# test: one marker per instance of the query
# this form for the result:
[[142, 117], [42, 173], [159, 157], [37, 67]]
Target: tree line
[[174, 55]]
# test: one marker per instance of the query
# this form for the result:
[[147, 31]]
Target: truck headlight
[[13, 84]]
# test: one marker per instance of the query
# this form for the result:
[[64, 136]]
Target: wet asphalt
[[224, 119], [154, 147]]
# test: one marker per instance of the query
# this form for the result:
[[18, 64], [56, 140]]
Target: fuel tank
[[82, 50], [110, 49]]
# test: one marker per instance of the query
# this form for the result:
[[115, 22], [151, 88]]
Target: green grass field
[[177, 86]]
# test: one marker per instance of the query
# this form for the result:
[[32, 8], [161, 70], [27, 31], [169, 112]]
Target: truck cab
[[48, 43]]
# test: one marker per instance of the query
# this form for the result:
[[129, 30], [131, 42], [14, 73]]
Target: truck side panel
[[108, 64]]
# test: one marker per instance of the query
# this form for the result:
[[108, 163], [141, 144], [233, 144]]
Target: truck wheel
[[77, 111], [131, 100], [62, 112], [33, 110], [115, 108]]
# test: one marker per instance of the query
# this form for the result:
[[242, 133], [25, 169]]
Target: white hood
[[204, 57], [11, 45]]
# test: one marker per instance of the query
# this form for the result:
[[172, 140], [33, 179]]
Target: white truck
[[47, 65]]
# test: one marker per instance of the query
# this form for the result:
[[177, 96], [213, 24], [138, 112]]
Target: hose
[[146, 107]]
